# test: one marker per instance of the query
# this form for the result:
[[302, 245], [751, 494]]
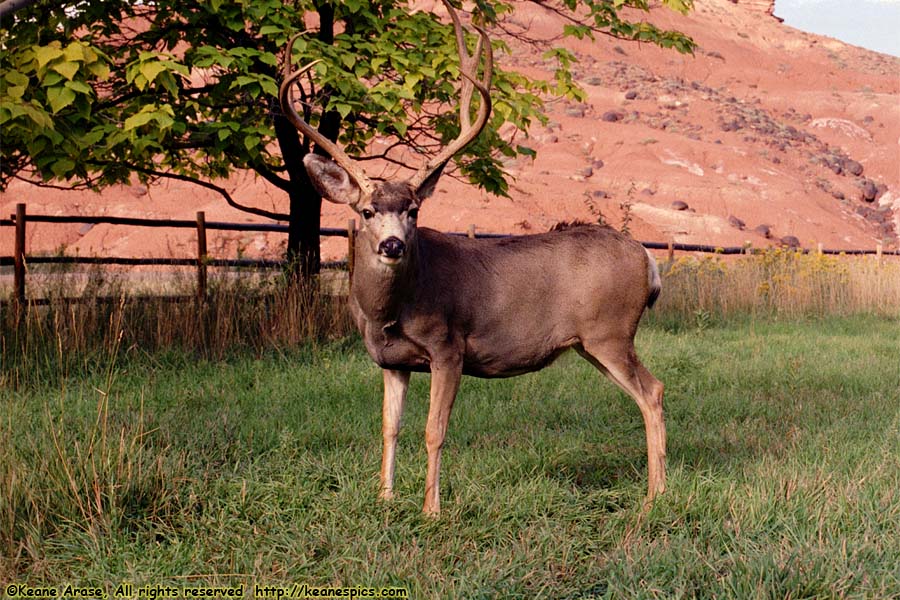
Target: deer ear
[[426, 188], [331, 180]]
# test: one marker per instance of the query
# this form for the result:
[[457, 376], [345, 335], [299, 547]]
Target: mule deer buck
[[428, 301]]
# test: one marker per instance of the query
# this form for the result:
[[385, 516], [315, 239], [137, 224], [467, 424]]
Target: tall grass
[[74, 331], [780, 282]]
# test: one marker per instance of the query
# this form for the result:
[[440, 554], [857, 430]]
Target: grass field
[[784, 472]]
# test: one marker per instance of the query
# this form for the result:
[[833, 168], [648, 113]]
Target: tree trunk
[[306, 219], [305, 204], [303, 251]]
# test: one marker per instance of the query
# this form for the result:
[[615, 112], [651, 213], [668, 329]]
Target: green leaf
[[163, 115], [268, 58], [251, 142], [16, 91], [412, 80], [92, 137], [44, 54], [342, 109], [167, 81], [17, 79], [74, 52], [6, 112], [66, 69], [59, 98], [79, 87], [38, 117], [150, 70], [51, 78], [37, 145], [62, 167], [99, 70], [269, 86], [526, 151], [682, 6], [208, 56], [578, 31], [138, 120]]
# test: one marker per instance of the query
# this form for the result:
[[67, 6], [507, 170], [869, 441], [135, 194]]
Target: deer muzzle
[[392, 247]]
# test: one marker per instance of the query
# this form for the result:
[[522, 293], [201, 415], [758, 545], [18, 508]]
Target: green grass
[[784, 473]]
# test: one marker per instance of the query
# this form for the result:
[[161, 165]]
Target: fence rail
[[170, 223], [259, 263], [19, 258]]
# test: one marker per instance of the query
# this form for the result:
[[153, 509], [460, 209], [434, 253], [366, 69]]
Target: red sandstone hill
[[765, 132]]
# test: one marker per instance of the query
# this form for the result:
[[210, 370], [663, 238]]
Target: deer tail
[[654, 283]]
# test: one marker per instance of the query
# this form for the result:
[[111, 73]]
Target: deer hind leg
[[396, 383], [444, 386], [618, 361]]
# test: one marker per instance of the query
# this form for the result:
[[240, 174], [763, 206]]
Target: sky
[[872, 24]]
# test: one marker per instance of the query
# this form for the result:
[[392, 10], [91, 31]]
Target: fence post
[[19, 259], [820, 248], [471, 232], [351, 246], [670, 253], [201, 255], [879, 253]]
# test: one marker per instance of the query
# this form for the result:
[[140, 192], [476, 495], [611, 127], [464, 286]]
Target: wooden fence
[[21, 218]]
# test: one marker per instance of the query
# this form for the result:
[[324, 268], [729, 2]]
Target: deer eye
[[413, 213], [367, 214]]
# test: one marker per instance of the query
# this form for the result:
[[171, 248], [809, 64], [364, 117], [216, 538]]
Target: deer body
[[505, 306], [426, 301]]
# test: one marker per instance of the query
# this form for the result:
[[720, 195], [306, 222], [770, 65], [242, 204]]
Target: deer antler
[[468, 68], [286, 96]]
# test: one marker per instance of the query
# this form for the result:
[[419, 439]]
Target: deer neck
[[381, 290]]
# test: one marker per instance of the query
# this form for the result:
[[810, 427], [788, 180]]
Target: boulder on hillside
[[790, 241], [763, 230]]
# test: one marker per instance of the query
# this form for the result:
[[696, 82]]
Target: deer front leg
[[444, 385], [395, 385]]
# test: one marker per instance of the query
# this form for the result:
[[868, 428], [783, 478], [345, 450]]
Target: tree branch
[[211, 186], [269, 175], [562, 13], [86, 184]]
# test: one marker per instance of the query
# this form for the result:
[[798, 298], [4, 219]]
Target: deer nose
[[392, 247]]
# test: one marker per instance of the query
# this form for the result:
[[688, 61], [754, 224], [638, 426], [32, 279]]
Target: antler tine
[[286, 97], [467, 63], [468, 69]]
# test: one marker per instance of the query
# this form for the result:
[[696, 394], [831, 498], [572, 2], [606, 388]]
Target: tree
[[95, 93]]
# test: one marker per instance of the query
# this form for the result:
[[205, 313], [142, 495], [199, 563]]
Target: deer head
[[389, 210]]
